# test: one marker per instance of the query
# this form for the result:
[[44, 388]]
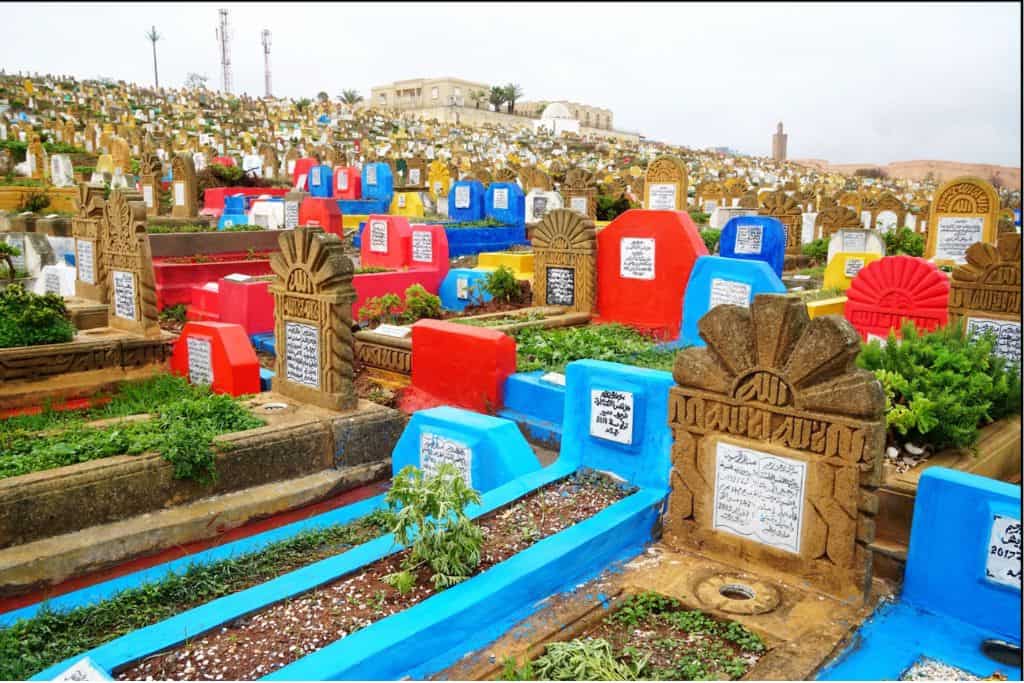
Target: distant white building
[[557, 120]]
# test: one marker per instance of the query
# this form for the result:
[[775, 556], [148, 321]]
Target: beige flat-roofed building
[[423, 93]]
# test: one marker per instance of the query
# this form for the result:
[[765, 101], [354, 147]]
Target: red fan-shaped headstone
[[891, 290]]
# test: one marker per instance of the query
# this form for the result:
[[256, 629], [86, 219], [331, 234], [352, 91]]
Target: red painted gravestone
[[893, 289], [458, 365], [347, 183], [217, 354], [322, 212], [385, 241], [644, 259]]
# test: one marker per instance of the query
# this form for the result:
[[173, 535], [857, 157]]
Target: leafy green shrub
[[699, 217], [904, 241], [584, 659], [28, 319], [419, 303], [553, 349], [608, 207], [7, 254], [940, 387], [502, 285], [710, 237], [35, 201], [430, 515], [816, 250], [378, 309], [175, 313]]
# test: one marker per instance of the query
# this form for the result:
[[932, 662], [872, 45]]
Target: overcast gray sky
[[852, 83]]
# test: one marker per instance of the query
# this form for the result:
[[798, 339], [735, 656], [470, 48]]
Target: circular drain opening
[[271, 407], [1001, 651], [735, 591]]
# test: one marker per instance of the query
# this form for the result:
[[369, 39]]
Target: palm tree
[[322, 96], [497, 97], [303, 103], [152, 37], [512, 93], [478, 96], [350, 97]]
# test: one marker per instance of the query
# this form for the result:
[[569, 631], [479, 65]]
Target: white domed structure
[[556, 119]]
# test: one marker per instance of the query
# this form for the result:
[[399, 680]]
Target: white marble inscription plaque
[[728, 292], [314, 176], [179, 193], [578, 204], [636, 258], [749, 239], [954, 234], [51, 282], [852, 267], [82, 670], [462, 288], [1007, 334], [663, 196], [396, 331], [422, 246], [85, 261], [611, 415], [501, 198], [371, 174], [200, 360], [759, 496], [436, 450], [854, 241], [147, 195], [379, 236], [302, 354], [462, 196], [343, 181], [124, 294], [1003, 559], [291, 215]]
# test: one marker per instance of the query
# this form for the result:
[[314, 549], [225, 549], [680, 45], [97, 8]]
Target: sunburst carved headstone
[[890, 291], [777, 447], [780, 205], [580, 192], [564, 261], [665, 183], [964, 211], [130, 284], [313, 296], [985, 293]]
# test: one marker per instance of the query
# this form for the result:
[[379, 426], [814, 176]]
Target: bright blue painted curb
[[103, 591]]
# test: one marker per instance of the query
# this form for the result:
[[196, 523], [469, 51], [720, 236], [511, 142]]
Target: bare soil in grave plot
[[257, 644]]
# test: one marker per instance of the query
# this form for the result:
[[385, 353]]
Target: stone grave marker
[[564, 261], [833, 219], [985, 293], [313, 297], [539, 203], [580, 192], [894, 289], [150, 171], [665, 184], [855, 241], [131, 289], [777, 449], [717, 281], [964, 211], [779, 205], [755, 238], [184, 188]]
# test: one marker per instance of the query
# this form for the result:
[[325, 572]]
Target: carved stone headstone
[[665, 184], [150, 172], [778, 444], [313, 297], [789, 212], [833, 219], [579, 192], [184, 188], [89, 231], [964, 211], [985, 293], [564, 261], [131, 289]]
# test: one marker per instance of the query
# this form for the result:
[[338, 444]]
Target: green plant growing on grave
[[29, 319], [903, 240], [584, 659], [608, 207], [8, 252], [34, 201], [940, 387], [430, 518], [175, 313], [816, 250], [699, 217], [381, 309], [711, 237], [419, 304], [502, 285], [553, 349]]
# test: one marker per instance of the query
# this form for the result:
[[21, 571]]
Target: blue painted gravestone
[[488, 451], [717, 280], [962, 585], [505, 202], [616, 419], [466, 201], [462, 287], [756, 238], [234, 212], [377, 182], [321, 181]]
